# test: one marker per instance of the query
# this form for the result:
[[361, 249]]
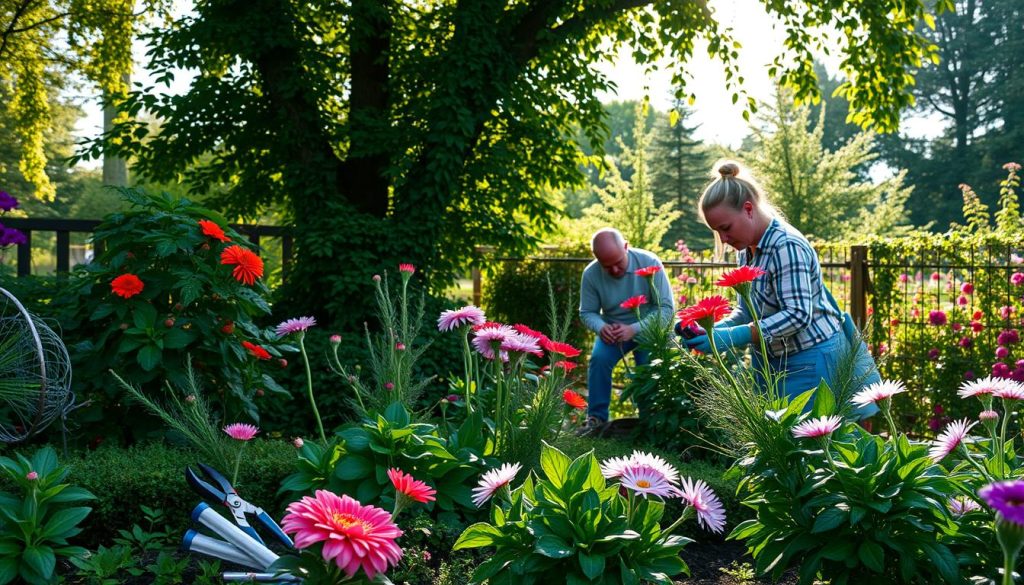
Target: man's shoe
[[592, 427]]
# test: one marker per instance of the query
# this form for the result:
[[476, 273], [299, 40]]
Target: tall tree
[[816, 189], [416, 131], [43, 43], [679, 171]]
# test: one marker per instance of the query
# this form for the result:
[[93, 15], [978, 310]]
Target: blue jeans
[[599, 373], [806, 369]]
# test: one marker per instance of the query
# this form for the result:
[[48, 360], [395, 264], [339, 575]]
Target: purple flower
[[295, 325], [1002, 352], [966, 342], [937, 318], [12, 237], [1016, 278], [933, 354], [7, 202], [1006, 498]]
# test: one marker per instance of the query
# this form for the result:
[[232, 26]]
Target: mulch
[[723, 563]]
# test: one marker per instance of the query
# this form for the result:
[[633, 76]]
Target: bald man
[[608, 281]]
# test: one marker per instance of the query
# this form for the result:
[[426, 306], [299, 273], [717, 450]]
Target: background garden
[[397, 153]]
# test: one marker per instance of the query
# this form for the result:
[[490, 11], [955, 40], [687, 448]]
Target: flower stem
[[238, 460], [1009, 562], [309, 388], [467, 365]]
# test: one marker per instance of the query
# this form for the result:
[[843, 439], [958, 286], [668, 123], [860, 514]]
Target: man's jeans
[[599, 374]]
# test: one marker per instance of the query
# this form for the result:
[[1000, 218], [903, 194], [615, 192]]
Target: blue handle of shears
[[273, 527], [252, 532]]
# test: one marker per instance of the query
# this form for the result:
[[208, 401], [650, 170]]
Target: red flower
[[634, 302], [563, 349], [566, 365], [741, 275], [712, 308], [414, 489], [256, 350], [574, 400], [648, 271], [406, 268], [228, 328], [211, 229], [486, 325], [126, 285], [524, 330], [248, 266]]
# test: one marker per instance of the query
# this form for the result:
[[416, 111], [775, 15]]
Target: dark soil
[[723, 563]]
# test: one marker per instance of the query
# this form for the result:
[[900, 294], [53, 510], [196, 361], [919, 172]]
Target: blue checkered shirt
[[791, 303]]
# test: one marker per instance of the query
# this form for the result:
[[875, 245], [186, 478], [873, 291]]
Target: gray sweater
[[601, 294]]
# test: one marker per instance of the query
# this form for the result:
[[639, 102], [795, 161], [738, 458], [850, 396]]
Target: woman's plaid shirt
[[791, 303]]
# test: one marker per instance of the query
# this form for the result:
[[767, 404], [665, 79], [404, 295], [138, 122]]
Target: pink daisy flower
[[455, 319], [295, 325], [647, 481], [486, 338], [961, 505], [614, 467], [355, 536], [241, 431], [494, 480], [877, 392], [710, 512], [950, 439], [1010, 390], [817, 427], [980, 387], [407, 268], [520, 343]]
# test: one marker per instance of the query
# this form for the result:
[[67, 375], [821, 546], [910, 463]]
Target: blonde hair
[[729, 188]]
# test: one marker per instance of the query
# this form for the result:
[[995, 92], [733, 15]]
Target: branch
[[22, 8]]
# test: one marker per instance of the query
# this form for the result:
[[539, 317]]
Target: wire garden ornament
[[35, 373]]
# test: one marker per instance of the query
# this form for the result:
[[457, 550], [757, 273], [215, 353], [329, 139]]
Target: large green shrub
[[190, 303]]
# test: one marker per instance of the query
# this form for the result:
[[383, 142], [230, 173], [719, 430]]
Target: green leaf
[[829, 519], [354, 467], [40, 559], [824, 401], [144, 316], [397, 415], [63, 521], [552, 547], [476, 536], [149, 357], [554, 464], [872, 555], [177, 338], [592, 564]]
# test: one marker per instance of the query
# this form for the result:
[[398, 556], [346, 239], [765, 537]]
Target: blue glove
[[725, 338]]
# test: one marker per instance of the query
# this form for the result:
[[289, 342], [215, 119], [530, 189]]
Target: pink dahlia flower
[[614, 467], [1010, 390], [455, 319], [407, 268], [817, 427], [521, 343], [937, 318], [494, 480], [710, 512], [241, 431], [295, 325], [355, 536], [950, 439], [877, 392], [647, 481]]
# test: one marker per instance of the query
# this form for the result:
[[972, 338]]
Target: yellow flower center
[[348, 521], [643, 483]]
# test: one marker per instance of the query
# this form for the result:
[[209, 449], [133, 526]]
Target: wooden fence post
[[477, 287], [859, 285]]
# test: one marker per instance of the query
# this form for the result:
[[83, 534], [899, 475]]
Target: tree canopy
[[416, 131]]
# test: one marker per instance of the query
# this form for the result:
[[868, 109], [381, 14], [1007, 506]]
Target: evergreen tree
[[817, 189], [628, 204], [679, 171]]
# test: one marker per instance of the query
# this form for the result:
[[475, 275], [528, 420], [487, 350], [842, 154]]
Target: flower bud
[[335, 340], [228, 328], [376, 278], [389, 386], [168, 323], [190, 398], [122, 326], [988, 416], [283, 363], [297, 441], [259, 392], [400, 346], [453, 398], [32, 476]]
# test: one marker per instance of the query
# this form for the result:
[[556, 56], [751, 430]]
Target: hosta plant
[[572, 522], [38, 519]]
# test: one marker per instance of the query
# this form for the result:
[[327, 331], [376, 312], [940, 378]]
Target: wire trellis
[[35, 373]]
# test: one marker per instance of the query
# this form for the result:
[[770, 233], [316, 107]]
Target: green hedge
[[154, 474]]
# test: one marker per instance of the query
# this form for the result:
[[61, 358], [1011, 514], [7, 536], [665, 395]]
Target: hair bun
[[728, 170]]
